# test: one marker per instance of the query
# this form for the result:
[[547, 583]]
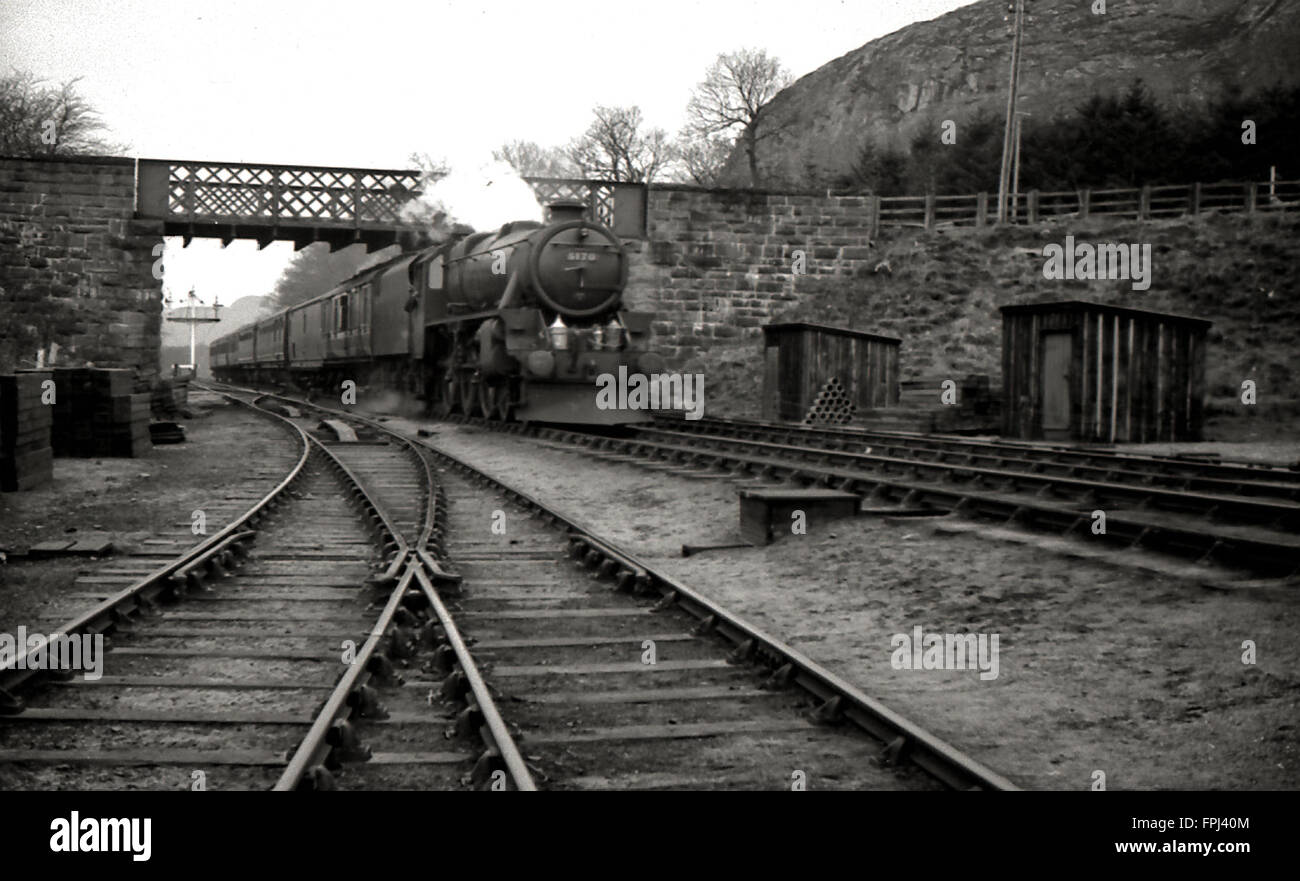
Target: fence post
[[1196, 198], [1144, 203], [929, 210], [1031, 207], [873, 216], [1085, 202], [1252, 195], [982, 209]]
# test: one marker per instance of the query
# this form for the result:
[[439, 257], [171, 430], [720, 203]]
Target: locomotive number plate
[[587, 256]]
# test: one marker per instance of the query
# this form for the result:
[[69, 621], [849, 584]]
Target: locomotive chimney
[[564, 210]]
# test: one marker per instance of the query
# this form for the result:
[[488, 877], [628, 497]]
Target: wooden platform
[[768, 513]]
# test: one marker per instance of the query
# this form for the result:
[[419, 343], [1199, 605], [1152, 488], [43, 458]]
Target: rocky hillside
[[956, 65]]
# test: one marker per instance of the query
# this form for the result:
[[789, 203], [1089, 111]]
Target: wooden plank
[[269, 633], [1196, 386], [1034, 381], [194, 758], [564, 641], [1164, 360], [171, 715], [191, 682], [321, 620], [1128, 359], [615, 668], [251, 654], [648, 695], [1086, 380], [1099, 392], [1180, 391], [419, 758], [671, 732], [1110, 385], [1010, 380], [527, 614]]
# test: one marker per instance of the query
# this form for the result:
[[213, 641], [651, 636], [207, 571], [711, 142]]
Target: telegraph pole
[[1015, 166], [1004, 178]]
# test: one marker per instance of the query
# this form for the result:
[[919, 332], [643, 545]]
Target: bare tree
[[733, 97], [532, 160], [41, 119], [702, 157], [615, 148]]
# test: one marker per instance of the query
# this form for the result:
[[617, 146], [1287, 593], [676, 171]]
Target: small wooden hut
[[1088, 372]]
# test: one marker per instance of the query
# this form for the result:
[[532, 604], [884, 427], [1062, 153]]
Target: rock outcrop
[[953, 66]]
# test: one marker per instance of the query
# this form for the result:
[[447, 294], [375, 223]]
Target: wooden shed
[[832, 372], [1084, 371]]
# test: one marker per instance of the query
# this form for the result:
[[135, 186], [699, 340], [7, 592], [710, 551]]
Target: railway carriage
[[270, 336], [515, 323], [245, 356]]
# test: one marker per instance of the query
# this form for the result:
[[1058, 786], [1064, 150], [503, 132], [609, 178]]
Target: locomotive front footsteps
[[512, 324]]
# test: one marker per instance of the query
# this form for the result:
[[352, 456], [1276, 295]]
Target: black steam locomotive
[[516, 323]]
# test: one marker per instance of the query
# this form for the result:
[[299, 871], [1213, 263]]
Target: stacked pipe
[[832, 406], [26, 459], [96, 414]]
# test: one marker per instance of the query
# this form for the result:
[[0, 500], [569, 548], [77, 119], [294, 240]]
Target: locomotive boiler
[[514, 323]]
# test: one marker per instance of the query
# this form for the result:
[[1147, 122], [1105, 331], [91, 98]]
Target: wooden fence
[[1143, 203]]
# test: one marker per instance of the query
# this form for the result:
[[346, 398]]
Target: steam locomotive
[[512, 324]]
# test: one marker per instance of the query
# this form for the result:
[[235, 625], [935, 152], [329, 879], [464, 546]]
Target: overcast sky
[[321, 82]]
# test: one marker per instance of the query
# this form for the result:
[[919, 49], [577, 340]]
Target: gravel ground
[[1100, 668], [132, 500]]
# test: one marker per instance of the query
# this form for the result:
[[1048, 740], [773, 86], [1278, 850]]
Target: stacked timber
[[972, 405], [26, 459], [96, 413]]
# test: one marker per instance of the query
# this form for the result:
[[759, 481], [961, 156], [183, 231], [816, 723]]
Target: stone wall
[[719, 264], [76, 268]]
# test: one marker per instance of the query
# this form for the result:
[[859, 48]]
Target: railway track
[[1237, 516], [283, 652], [1187, 472], [617, 676], [1254, 533]]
